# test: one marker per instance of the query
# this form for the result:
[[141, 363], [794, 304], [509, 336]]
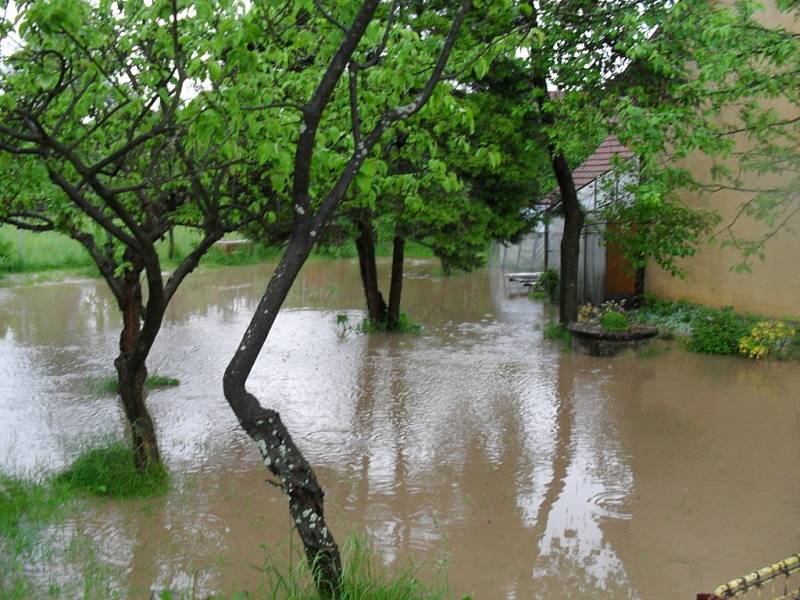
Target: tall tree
[[659, 75], [457, 178]]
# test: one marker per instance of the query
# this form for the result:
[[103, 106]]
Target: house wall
[[773, 286]]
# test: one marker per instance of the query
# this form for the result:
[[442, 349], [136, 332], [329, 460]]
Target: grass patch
[[110, 385], [26, 507], [364, 578], [368, 326], [110, 471], [404, 325], [25, 251], [557, 332], [30, 534]]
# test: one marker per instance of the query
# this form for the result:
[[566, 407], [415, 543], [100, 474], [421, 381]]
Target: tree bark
[[365, 244], [265, 427], [396, 285], [571, 207], [131, 375], [570, 241], [638, 298], [171, 240]]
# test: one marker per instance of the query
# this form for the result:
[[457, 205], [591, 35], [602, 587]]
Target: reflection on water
[[534, 473]]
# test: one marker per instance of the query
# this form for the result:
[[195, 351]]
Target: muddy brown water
[[530, 472]]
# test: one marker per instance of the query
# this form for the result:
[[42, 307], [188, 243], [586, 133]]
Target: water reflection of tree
[[565, 563], [383, 370]]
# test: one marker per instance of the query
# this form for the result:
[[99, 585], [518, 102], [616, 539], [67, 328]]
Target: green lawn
[[57, 255]]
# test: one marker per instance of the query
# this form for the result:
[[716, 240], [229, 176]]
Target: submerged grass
[[35, 504], [110, 471], [30, 511], [364, 578], [557, 332], [26, 504], [110, 385]]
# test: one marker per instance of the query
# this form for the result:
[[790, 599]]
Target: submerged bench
[[525, 278]]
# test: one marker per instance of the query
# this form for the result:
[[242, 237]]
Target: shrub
[[546, 286], [614, 321], [718, 332], [768, 339]]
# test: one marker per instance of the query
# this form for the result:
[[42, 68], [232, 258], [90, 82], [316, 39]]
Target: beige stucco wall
[[773, 286]]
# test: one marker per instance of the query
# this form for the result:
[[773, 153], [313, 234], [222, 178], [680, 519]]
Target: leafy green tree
[[316, 135], [461, 175], [96, 116]]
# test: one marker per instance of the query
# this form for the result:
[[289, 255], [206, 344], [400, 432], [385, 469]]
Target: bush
[[546, 287], [768, 339], [718, 332], [614, 321]]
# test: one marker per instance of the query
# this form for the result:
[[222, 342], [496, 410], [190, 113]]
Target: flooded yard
[[530, 471]]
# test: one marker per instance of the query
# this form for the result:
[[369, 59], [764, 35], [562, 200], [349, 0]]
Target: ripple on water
[[613, 503]]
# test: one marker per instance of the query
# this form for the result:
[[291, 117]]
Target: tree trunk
[[171, 239], [265, 427], [570, 241], [131, 375], [365, 244], [396, 285], [573, 213], [638, 294]]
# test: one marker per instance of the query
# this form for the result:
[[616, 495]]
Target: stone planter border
[[588, 338]]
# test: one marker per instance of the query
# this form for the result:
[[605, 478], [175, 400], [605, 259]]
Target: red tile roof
[[597, 165]]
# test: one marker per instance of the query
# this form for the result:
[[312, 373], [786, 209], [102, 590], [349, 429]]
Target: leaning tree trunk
[[365, 244], [131, 375], [396, 285], [265, 427], [571, 240]]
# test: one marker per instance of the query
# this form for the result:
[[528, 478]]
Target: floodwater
[[533, 473]]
